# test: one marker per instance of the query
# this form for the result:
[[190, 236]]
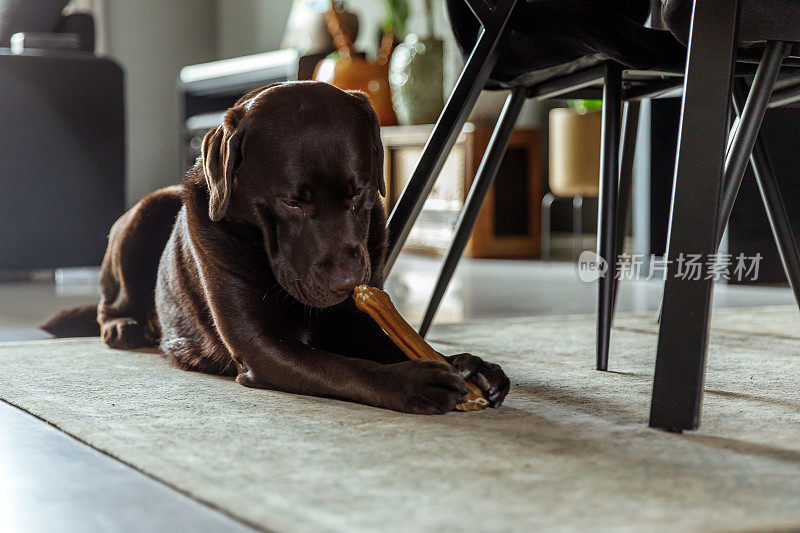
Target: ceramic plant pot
[[359, 74], [350, 71], [574, 153], [416, 78]]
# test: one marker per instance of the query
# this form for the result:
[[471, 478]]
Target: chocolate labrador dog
[[247, 268]]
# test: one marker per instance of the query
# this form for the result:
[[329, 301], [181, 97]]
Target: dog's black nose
[[343, 284], [346, 271]]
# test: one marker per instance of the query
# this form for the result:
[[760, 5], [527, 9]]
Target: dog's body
[[246, 269]]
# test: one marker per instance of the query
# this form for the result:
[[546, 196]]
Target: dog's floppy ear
[[377, 144], [221, 158]]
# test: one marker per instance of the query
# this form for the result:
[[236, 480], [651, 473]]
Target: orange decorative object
[[362, 75], [351, 72]]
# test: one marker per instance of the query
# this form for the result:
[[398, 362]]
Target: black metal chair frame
[[709, 169], [617, 86]]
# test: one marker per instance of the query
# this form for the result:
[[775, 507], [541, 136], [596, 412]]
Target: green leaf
[[396, 16]]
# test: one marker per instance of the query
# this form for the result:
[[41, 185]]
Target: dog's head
[[303, 162]]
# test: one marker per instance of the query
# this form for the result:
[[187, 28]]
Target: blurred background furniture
[[62, 144], [508, 225], [209, 89], [575, 138], [44, 18]]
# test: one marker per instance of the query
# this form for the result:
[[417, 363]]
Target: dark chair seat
[[557, 37], [761, 19]]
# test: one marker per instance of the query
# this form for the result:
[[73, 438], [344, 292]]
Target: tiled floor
[[52, 482], [480, 289], [494, 288]]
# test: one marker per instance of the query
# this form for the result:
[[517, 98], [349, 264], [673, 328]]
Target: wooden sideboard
[[509, 223]]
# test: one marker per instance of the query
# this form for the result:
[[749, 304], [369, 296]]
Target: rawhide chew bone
[[377, 304]]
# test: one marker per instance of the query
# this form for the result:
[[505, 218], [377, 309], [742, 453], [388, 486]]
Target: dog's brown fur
[[245, 269]]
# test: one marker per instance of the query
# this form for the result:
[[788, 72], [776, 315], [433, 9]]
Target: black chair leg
[[607, 211], [630, 125], [731, 136], [487, 171], [577, 226], [547, 208], [745, 135], [699, 171], [473, 78], [773, 202]]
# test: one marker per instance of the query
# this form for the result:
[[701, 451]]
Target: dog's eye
[[355, 198], [292, 204]]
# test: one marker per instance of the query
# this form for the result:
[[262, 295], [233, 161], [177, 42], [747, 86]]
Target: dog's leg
[[350, 332], [353, 333], [128, 275], [268, 356]]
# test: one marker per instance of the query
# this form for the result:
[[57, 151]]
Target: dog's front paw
[[488, 377], [123, 334], [423, 387]]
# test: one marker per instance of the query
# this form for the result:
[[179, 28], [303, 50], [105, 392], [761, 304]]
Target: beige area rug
[[570, 450]]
